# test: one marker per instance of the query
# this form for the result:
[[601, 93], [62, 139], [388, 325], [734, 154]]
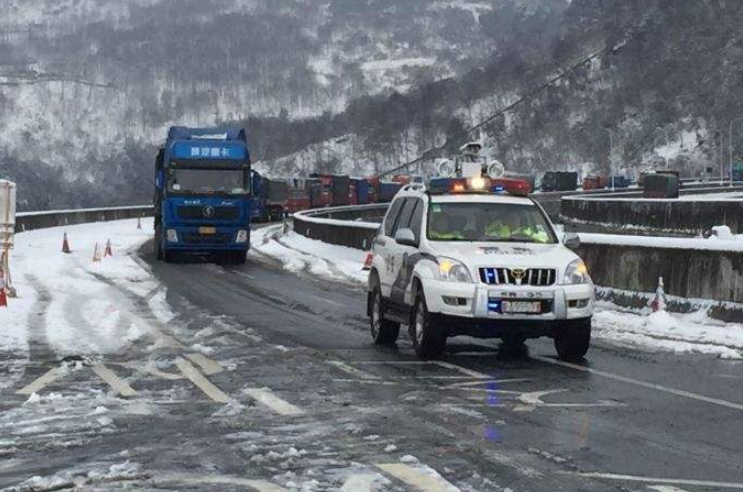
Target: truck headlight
[[453, 271], [242, 236], [172, 236], [577, 273]]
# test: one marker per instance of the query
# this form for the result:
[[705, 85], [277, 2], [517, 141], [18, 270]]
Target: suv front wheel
[[573, 339], [429, 337], [383, 332]]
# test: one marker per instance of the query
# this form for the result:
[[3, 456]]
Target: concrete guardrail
[[26, 221], [629, 213]]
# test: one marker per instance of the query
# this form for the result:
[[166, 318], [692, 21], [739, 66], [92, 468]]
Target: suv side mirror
[[405, 237], [571, 240]]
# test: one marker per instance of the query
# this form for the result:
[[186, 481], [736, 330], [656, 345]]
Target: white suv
[[476, 263]]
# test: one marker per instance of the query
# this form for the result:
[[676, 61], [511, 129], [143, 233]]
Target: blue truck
[[203, 194]]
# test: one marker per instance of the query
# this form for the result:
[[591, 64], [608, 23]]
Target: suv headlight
[[453, 271], [577, 273]]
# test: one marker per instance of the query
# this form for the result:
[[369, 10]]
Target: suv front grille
[[199, 212], [538, 277]]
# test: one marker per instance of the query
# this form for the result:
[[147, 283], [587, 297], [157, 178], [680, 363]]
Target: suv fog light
[[242, 236], [172, 236], [579, 303], [454, 301]]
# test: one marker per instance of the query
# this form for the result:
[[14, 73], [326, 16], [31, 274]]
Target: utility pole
[[611, 154], [730, 144]]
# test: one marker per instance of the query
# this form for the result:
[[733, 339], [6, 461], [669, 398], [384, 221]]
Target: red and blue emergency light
[[517, 187]]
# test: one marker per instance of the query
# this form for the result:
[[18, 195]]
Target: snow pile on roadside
[[67, 301], [298, 253], [678, 333]]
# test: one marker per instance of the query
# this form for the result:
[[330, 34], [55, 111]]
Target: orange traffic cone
[[109, 250], [66, 245], [139, 223], [659, 302], [368, 262], [3, 294], [96, 254]]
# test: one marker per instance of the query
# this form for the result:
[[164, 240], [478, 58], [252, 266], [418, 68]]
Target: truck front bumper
[[474, 309], [205, 239]]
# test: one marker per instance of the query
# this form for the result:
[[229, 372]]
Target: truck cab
[[203, 194]]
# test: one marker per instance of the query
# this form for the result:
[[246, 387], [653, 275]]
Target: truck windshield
[[490, 222], [207, 181]]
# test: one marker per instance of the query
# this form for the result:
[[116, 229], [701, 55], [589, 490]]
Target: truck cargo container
[[559, 181]]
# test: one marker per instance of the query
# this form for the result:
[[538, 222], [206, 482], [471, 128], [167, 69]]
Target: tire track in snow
[[39, 349]]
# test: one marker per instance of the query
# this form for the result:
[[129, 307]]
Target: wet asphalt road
[[311, 404]]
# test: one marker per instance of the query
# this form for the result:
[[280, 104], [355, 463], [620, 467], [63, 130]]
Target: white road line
[[190, 371], [361, 482], [489, 382], [352, 370], [207, 365], [48, 377], [258, 485], [463, 370], [667, 481], [117, 384], [644, 384], [266, 397], [425, 482], [665, 488]]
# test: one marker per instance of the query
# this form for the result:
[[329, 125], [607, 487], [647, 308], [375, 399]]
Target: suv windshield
[[492, 222], [207, 181]]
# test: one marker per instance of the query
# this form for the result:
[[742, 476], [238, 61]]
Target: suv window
[[391, 218], [407, 212], [417, 219]]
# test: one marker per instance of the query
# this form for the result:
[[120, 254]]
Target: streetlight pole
[[730, 144], [611, 154]]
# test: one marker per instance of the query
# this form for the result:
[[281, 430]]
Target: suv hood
[[509, 255]]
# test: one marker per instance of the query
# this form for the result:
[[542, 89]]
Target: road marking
[[463, 370], [190, 371], [266, 397], [665, 488], [210, 367], [447, 365], [667, 481], [259, 485], [493, 382], [117, 384], [352, 370], [360, 482], [644, 384], [37, 385], [420, 479]]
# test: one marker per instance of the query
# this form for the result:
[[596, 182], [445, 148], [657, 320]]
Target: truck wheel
[[429, 338], [238, 257], [168, 256], [573, 339], [383, 332], [158, 243]]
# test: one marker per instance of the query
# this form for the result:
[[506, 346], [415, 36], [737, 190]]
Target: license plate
[[521, 307], [207, 230]]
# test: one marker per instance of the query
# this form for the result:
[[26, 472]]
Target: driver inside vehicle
[[518, 227], [441, 228]]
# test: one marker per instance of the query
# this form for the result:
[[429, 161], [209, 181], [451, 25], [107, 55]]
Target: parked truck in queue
[[475, 256]]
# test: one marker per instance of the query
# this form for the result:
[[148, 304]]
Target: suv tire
[[383, 332], [429, 337], [573, 339]]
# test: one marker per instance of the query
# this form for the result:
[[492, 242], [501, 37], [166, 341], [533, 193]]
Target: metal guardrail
[[27, 221], [353, 226]]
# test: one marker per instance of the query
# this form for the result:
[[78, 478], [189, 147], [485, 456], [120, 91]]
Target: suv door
[[404, 255], [384, 245]]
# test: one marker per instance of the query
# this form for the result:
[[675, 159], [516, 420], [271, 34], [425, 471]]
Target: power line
[[428, 154]]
